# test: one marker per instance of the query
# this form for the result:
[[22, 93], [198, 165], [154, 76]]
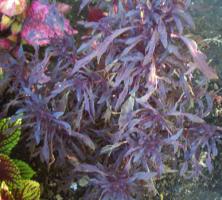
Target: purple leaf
[[131, 46], [143, 176], [184, 168], [122, 97], [163, 33], [175, 137], [84, 139], [179, 24], [185, 16], [191, 117], [37, 133], [100, 50], [83, 4], [151, 47], [209, 163], [199, 58], [89, 169], [45, 150]]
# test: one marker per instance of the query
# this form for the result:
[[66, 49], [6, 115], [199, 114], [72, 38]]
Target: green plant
[[15, 175]]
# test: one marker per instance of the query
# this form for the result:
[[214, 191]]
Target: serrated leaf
[[8, 139], [8, 170], [27, 190], [26, 171]]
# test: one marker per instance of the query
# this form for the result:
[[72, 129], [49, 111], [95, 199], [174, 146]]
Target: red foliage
[[95, 14], [5, 44], [44, 22]]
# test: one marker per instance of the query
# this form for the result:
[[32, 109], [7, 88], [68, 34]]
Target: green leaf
[[26, 171], [8, 170], [27, 190], [9, 135]]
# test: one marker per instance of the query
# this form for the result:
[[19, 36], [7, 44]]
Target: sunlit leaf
[[8, 139], [25, 170], [27, 190], [8, 170]]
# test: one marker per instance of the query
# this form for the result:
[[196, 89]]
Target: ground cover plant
[[15, 174], [119, 107]]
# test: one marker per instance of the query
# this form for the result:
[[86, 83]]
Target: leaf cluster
[[15, 175], [123, 105]]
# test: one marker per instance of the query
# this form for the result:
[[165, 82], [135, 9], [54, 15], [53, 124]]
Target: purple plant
[[126, 104]]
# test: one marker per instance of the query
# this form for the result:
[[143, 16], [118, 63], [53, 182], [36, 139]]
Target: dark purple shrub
[[125, 106]]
